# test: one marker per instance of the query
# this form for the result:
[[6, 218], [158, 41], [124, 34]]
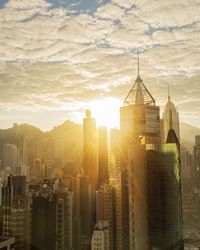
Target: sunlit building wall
[[90, 161], [138, 201], [102, 155]]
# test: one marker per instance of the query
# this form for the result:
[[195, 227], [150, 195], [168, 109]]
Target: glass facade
[[164, 197], [140, 120]]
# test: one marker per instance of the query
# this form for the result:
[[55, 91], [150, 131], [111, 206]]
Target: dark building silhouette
[[197, 161], [82, 225], [14, 210], [51, 219], [164, 194]]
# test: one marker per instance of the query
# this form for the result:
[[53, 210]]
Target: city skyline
[[59, 58]]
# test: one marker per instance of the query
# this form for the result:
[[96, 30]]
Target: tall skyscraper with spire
[[140, 117], [170, 118], [153, 169]]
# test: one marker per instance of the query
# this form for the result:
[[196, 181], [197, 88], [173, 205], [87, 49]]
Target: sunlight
[[106, 111]]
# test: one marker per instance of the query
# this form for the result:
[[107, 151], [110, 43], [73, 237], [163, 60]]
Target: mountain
[[44, 142], [72, 136], [188, 133]]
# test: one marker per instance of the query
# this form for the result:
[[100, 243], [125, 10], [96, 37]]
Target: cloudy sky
[[58, 57]]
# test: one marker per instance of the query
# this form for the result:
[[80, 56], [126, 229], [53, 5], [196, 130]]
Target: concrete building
[[7, 243], [90, 159], [139, 123], [52, 219], [197, 161], [100, 237], [82, 225], [10, 156], [105, 209], [14, 212], [138, 198]]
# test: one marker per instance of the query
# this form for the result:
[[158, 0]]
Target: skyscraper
[[90, 164], [52, 219], [153, 171], [170, 119], [139, 121], [14, 210], [105, 209], [100, 237], [140, 117], [102, 155], [197, 161], [10, 156], [90, 148], [82, 228], [164, 194]]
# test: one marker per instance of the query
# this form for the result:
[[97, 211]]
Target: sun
[[106, 111]]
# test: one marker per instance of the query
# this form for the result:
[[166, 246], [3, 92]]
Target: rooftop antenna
[[170, 109], [138, 61], [169, 97]]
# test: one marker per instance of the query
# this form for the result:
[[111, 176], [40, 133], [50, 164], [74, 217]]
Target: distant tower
[[170, 118], [90, 165], [11, 156], [90, 148]]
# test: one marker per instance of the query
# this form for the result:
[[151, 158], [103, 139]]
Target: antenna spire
[[138, 62], [169, 97]]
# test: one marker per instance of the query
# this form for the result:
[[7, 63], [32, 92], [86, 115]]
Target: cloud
[[57, 54]]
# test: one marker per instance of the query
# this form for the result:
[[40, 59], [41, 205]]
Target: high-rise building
[[10, 156], [82, 227], [90, 162], [102, 155], [60, 150], [139, 122], [14, 212], [117, 214], [153, 173], [138, 206], [197, 161], [164, 194], [100, 237], [114, 155], [170, 119], [105, 210], [52, 219], [140, 117], [90, 149]]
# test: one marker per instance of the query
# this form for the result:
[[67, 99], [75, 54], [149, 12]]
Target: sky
[[58, 58]]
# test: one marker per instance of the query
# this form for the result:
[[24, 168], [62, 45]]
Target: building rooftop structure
[[7, 242], [139, 94]]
